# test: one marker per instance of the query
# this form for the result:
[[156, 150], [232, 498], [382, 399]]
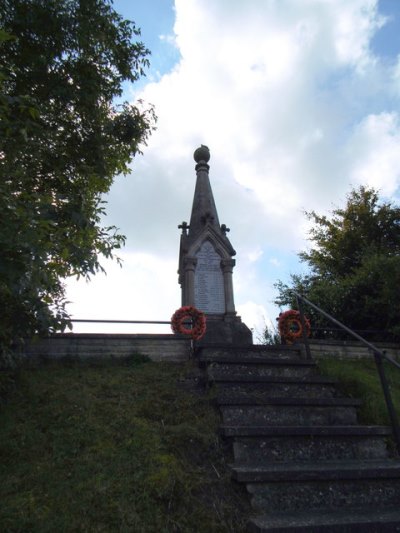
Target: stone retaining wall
[[350, 349], [167, 347], [159, 347]]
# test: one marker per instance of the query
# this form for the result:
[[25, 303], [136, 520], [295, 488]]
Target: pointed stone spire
[[203, 208]]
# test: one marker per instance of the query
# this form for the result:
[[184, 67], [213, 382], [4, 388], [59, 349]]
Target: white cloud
[[255, 255], [254, 315], [141, 290], [294, 107], [355, 26], [375, 152], [275, 262], [396, 77], [170, 39]]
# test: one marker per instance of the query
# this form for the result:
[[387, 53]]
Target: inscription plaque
[[209, 294]]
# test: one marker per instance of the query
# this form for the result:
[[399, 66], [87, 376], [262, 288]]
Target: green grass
[[360, 379], [106, 447]]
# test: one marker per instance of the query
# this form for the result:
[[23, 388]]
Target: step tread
[[361, 520], [251, 348], [313, 402], [257, 360], [312, 471], [277, 431], [270, 379]]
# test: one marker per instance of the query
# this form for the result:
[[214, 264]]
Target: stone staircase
[[307, 463]]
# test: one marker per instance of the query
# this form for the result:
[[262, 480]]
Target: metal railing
[[120, 321], [379, 357], [126, 329]]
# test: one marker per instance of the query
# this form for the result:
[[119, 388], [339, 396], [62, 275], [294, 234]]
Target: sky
[[298, 101]]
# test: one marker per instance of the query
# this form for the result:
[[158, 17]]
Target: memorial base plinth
[[226, 329]]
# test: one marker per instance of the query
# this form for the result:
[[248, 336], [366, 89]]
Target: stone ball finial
[[202, 154]]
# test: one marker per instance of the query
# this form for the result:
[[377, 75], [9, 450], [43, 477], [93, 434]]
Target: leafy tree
[[62, 142], [354, 266]]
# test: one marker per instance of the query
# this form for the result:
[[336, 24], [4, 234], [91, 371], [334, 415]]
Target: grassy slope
[[359, 379], [124, 448], [113, 448]]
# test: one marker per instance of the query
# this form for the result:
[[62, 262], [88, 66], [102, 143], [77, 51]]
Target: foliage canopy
[[62, 142], [354, 266]]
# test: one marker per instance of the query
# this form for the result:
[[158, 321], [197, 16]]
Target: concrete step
[[270, 387], [301, 431], [266, 450], [319, 443], [286, 415], [349, 521], [254, 360], [243, 379], [252, 399], [321, 486], [299, 369], [311, 471], [253, 351], [297, 445]]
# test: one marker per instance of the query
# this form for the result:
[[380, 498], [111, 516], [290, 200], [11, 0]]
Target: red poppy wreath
[[189, 315], [290, 327]]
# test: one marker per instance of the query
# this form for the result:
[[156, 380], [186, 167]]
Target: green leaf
[[63, 141]]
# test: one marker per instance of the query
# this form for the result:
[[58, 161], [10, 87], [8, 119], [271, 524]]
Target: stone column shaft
[[190, 266], [227, 268]]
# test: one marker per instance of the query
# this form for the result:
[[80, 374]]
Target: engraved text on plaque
[[209, 292]]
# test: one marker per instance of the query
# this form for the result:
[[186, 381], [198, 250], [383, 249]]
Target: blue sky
[[155, 20], [298, 102], [386, 42]]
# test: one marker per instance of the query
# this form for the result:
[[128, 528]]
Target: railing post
[[303, 327], [388, 398]]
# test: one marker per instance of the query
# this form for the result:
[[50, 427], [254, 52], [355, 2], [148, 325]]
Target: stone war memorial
[[308, 462], [206, 263]]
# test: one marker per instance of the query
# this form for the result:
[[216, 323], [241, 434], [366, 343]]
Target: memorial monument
[[206, 263]]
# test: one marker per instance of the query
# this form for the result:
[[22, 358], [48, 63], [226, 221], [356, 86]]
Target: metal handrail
[[99, 321], [379, 355]]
